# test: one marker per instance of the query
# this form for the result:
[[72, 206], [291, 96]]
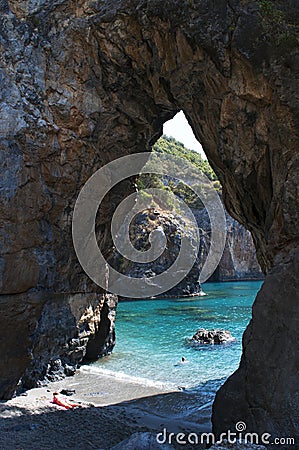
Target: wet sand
[[112, 411]]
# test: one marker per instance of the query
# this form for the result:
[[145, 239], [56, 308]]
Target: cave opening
[[193, 309], [179, 128]]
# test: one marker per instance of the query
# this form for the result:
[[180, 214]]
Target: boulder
[[203, 336]]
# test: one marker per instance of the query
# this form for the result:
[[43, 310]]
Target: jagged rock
[[70, 370], [203, 336], [63, 334], [174, 228], [238, 261], [102, 339]]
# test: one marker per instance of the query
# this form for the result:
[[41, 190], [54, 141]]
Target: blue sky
[[179, 128]]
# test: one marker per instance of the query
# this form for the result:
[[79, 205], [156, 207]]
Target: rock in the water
[[203, 336]]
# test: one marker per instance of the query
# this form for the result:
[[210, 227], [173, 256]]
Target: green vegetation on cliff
[[170, 146], [276, 25]]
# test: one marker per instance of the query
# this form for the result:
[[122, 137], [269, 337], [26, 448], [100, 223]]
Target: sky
[[179, 128]]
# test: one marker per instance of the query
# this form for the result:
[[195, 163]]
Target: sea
[[153, 335]]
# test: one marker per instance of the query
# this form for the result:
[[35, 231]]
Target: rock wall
[[174, 228], [239, 258], [238, 261], [85, 82], [70, 329]]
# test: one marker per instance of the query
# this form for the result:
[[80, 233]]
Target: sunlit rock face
[[238, 261], [174, 228], [85, 82]]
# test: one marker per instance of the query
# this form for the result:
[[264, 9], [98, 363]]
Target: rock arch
[[84, 84]]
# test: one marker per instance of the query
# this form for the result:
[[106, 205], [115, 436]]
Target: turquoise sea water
[[152, 335]]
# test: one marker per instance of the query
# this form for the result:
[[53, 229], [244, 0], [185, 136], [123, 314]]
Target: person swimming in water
[[181, 362]]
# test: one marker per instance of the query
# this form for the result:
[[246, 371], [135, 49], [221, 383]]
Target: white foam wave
[[121, 376]]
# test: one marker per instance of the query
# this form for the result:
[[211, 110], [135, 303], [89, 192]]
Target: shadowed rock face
[[83, 83]]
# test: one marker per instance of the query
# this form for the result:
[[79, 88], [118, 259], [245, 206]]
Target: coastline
[[112, 411], [163, 297], [118, 404]]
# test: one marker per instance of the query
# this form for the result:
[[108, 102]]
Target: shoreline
[[104, 389], [161, 297], [112, 411], [200, 294]]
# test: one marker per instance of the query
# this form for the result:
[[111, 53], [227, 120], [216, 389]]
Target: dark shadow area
[[46, 427]]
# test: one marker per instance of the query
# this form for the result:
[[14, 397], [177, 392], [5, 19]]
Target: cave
[[88, 83]]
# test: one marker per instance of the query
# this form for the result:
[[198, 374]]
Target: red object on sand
[[63, 403]]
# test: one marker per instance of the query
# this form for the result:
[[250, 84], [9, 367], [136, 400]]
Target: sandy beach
[[112, 411]]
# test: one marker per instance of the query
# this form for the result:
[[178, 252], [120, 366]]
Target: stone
[[203, 336], [70, 370], [20, 272], [60, 339], [102, 340], [238, 262], [247, 386], [19, 313]]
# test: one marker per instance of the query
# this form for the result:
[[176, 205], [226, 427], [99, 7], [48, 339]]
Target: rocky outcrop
[[70, 329], [142, 440], [238, 262], [53, 333], [259, 343], [237, 446], [85, 82], [203, 336], [174, 228]]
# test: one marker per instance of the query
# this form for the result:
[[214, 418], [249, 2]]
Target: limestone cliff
[[238, 261], [85, 82], [174, 227]]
